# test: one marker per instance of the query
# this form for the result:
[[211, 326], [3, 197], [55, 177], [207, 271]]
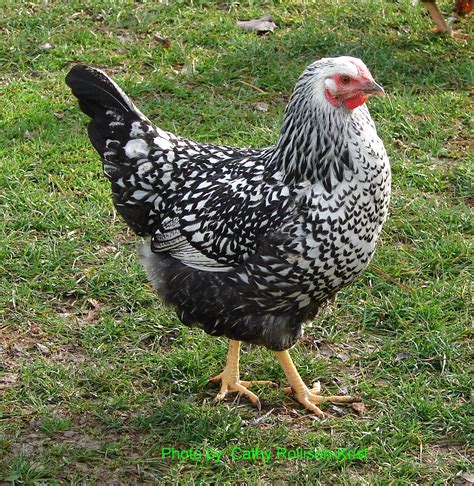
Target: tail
[[122, 136], [111, 110], [96, 92]]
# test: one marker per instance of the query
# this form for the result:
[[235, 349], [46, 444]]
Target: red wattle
[[355, 101]]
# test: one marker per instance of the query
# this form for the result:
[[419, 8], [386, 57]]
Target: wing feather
[[171, 241], [220, 218]]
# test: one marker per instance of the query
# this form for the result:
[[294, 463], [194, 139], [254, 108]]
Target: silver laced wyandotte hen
[[251, 243]]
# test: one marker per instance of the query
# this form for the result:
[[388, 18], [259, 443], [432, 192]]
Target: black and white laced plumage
[[250, 243]]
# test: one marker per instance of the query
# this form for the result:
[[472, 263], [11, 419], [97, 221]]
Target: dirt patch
[[7, 380], [446, 452], [77, 313], [469, 202], [19, 347]]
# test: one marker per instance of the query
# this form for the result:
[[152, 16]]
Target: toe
[[313, 408], [341, 399], [315, 398], [312, 397], [216, 378], [221, 395], [459, 36], [258, 382], [242, 390]]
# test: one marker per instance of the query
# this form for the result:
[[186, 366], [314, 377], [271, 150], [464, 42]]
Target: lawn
[[97, 378]]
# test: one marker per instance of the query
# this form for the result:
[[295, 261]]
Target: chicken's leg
[[306, 397], [230, 377], [441, 25]]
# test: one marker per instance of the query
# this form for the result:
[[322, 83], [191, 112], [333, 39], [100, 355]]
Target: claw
[[235, 385], [316, 388]]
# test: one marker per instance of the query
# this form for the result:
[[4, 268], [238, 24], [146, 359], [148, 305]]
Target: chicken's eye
[[345, 79]]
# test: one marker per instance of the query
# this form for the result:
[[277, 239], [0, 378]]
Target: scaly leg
[[230, 377], [306, 397], [441, 25]]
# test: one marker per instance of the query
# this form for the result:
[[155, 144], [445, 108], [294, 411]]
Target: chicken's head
[[346, 81]]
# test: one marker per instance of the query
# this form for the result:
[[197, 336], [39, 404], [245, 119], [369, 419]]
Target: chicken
[[461, 8], [251, 243]]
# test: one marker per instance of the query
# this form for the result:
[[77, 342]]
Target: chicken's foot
[[230, 378], [307, 397], [437, 16], [443, 26]]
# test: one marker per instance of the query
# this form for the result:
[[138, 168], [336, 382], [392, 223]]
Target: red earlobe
[[331, 98]]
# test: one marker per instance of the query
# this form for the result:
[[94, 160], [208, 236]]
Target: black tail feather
[[115, 121], [111, 110], [96, 91]]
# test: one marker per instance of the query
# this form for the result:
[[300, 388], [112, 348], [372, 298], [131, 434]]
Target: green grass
[[96, 376]]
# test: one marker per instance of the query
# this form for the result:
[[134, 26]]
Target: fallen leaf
[[326, 350], [468, 477], [43, 349], [337, 411], [93, 313], [261, 106], [358, 407], [402, 356], [343, 356], [164, 41], [104, 248], [264, 25], [125, 38], [189, 68], [343, 390], [18, 348]]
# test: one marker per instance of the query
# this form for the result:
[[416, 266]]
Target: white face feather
[[350, 66], [329, 67]]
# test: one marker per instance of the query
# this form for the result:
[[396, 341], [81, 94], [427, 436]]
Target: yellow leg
[[230, 377], [306, 397], [441, 25]]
